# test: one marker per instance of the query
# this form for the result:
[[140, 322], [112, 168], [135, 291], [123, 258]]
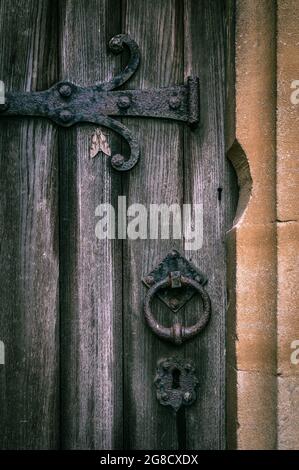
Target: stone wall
[[263, 245]]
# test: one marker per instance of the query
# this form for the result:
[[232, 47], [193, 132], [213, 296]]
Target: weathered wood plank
[[207, 179], [29, 321], [91, 274], [157, 28]]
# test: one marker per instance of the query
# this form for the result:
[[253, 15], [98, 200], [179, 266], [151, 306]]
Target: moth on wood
[[99, 143]]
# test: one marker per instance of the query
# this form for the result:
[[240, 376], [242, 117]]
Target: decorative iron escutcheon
[[175, 281], [175, 382], [67, 104]]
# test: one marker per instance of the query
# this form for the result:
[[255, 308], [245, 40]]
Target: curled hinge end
[[118, 162], [116, 45]]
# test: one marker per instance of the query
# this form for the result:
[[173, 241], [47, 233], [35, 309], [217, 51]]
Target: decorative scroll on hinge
[[67, 104]]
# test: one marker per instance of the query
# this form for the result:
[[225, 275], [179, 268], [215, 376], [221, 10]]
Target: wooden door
[[79, 358]]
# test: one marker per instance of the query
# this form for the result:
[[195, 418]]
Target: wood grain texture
[[99, 345], [158, 29], [169, 172], [209, 179], [91, 273], [29, 315]]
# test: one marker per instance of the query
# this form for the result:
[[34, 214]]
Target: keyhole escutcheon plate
[[175, 382]]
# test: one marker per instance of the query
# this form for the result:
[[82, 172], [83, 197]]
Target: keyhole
[[176, 373], [219, 194]]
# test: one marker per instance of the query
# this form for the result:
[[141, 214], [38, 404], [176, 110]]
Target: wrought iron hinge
[[67, 104]]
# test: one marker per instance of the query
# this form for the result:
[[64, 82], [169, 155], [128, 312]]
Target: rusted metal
[[174, 262], [67, 104], [175, 281], [175, 382]]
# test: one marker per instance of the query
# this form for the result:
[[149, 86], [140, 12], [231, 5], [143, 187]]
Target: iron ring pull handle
[[177, 333]]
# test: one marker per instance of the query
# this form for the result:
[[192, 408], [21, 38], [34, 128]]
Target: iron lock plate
[[175, 382]]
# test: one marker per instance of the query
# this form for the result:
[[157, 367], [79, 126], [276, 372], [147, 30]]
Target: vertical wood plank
[[157, 27], [91, 274], [29, 321], [208, 180]]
